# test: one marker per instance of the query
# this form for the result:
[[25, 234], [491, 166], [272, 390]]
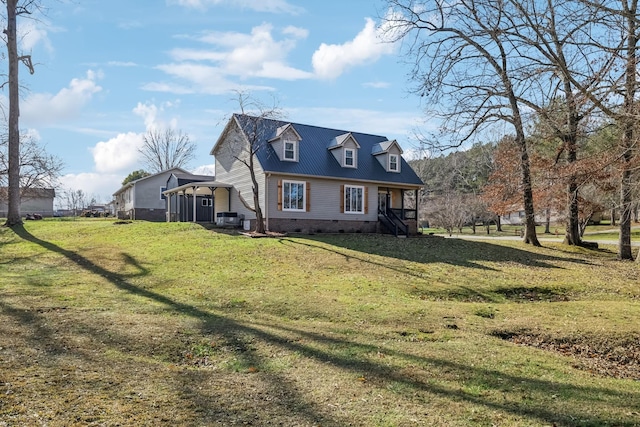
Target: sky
[[108, 71]]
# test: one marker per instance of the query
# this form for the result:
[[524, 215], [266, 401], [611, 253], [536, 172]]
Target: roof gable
[[385, 147], [343, 140], [283, 130]]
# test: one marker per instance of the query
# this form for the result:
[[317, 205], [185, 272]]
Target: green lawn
[[145, 324], [592, 232]]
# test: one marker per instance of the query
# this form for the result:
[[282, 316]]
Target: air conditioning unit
[[228, 219]]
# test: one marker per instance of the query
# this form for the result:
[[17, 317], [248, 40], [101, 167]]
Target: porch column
[[402, 202], [213, 209], [195, 199], [168, 214], [183, 214]]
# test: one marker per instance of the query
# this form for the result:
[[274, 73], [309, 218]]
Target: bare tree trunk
[[547, 222], [13, 212], [624, 244], [628, 129], [572, 235], [613, 216], [256, 197], [530, 236]]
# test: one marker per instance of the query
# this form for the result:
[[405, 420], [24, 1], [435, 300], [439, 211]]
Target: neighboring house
[[181, 204], [313, 179], [32, 201], [144, 198]]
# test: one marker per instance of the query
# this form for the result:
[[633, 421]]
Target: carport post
[[168, 198], [195, 198]]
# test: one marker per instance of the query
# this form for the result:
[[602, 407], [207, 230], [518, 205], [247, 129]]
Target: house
[[32, 201], [314, 179], [144, 198], [187, 193]]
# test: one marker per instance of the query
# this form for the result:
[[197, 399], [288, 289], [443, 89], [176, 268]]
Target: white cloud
[[377, 85], [232, 55], [273, 6], [118, 154], [331, 60], [122, 64], [100, 186], [205, 170], [256, 54], [32, 33], [44, 108]]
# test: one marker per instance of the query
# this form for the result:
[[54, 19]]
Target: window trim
[[347, 206], [162, 196], [304, 196], [353, 158], [294, 150], [397, 163]]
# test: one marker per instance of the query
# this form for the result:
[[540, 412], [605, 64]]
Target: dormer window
[[349, 158], [286, 143], [393, 163], [289, 150], [345, 150]]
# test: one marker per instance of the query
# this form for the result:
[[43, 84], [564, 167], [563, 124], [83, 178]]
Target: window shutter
[[342, 198], [366, 200], [279, 194], [308, 196]]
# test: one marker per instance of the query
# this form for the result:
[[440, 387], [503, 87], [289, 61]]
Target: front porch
[[398, 211]]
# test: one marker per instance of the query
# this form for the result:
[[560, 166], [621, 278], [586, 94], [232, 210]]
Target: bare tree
[[450, 211], [256, 120], [14, 9], [168, 148], [75, 200], [464, 62], [38, 169]]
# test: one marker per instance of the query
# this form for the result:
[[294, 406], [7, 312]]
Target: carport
[[188, 193]]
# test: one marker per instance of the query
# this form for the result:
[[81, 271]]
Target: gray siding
[[147, 192], [230, 170], [325, 200]]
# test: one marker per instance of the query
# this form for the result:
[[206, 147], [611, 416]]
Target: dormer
[[286, 143], [389, 154], [345, 150]]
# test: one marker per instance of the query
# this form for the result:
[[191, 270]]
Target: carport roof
[[201, 188]]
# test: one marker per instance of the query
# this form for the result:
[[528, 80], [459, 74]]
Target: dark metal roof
[[186, 178], [314, 157]]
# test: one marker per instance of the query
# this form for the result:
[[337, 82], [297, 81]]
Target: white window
[[353, 199], [293, 196], [289, 150], [393, 162], [162, 190], [349, 157], [207, 202]]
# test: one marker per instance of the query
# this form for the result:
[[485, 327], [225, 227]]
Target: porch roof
[[201, 188]]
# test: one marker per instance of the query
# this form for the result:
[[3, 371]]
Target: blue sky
[[108, 71]]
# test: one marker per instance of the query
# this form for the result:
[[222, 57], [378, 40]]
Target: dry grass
[[171, 324]]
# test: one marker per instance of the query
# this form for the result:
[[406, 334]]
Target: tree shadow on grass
[[417, 381], [425, 250]]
